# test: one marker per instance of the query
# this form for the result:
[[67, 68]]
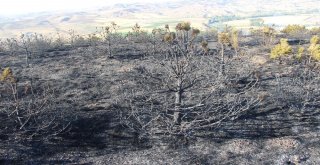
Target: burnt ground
[[87, 85]]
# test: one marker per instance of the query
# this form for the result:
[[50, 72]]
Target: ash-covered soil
[[88, 89]]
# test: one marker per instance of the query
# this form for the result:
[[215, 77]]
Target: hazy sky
[[13, 7]]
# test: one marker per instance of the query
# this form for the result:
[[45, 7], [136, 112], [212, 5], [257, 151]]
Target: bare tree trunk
[[154, 48], [27, 60], [27, 57], [222, 65], [178, 95], [185, 41], [109, 49]]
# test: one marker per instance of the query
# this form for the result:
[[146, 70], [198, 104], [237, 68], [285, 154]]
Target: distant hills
[[201, 13]]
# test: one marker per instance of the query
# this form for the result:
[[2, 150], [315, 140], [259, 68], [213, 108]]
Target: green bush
[[300, 53], [315, 31], [294, 30], [314, 48], [281, 49]]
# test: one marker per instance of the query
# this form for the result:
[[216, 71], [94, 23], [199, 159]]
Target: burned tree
[[180, 65], [181, 91], [110, 36], [29, 108]]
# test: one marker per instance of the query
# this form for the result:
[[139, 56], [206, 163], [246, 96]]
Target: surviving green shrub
[[7, 76], [283, 48], [235, 39], [314, 48], [268, 31], [267, 34], [184, 35], [230, 37], [186, 26], [315, 31], [314, 39], [300, 53], [294, 30], [224, 38], [169, 37], [195, 32]]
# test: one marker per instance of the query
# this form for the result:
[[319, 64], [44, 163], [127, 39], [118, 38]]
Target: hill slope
[[151, 15]]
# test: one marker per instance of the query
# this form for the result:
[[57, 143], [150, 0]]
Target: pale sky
[[13, 7]]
